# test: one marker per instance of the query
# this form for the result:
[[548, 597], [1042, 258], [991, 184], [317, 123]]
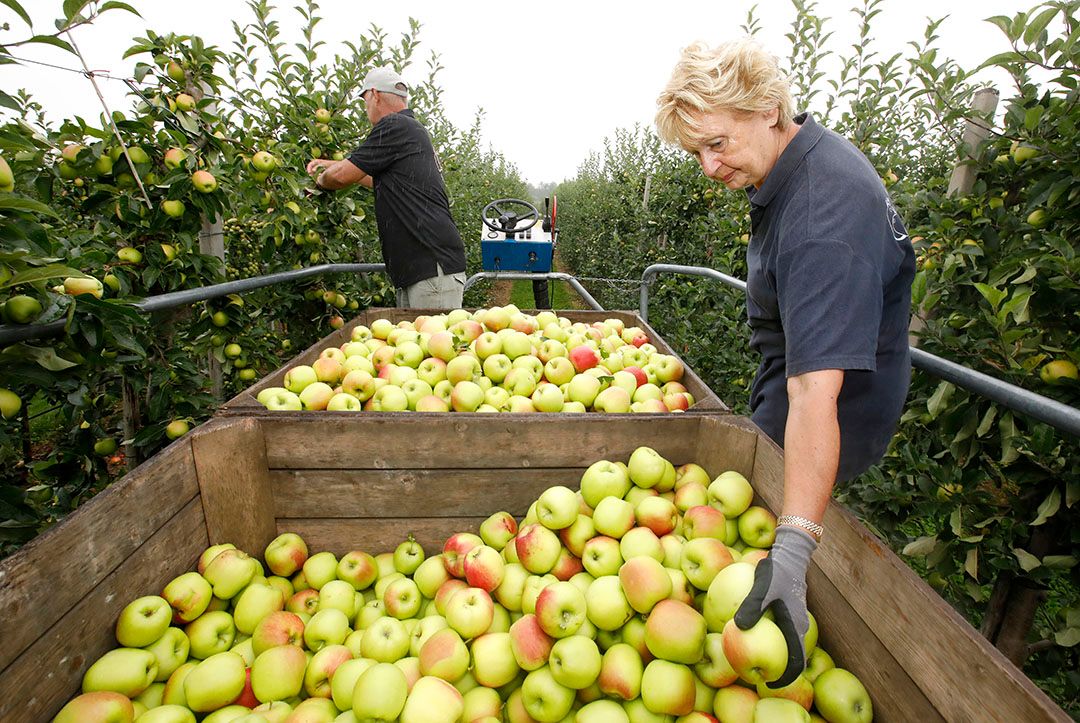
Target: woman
[[828, 297]]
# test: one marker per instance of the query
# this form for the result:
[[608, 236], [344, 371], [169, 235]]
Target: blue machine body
[[527, 255]]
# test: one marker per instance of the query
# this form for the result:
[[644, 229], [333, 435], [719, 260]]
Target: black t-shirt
[[411, 206], [830, 267]]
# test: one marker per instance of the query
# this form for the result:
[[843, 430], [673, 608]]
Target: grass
[[561, 296]]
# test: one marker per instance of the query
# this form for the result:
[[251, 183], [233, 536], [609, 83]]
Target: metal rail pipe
[[12, 333], [518, 275], [1059, 416]]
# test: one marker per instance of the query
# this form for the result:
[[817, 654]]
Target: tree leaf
[[1068, 637], [116, 5], [41, 273], [1072, 492], [16, 8], [44, 357], [20, 203], [971, 563], [1059, 562], [1049, 507], [940, 398], [52, 40], [1028, 562], [1038, 24], [921, 547]]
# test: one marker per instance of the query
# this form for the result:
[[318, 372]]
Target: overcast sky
[[554, 78]]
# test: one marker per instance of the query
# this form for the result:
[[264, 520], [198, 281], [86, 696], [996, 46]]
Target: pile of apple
[[493, 360], [613, 604]]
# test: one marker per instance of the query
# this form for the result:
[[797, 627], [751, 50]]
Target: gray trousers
[[439, 292]]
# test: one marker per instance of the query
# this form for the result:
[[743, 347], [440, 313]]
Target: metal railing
[[1059, 416], [552, 276], [14, 333]]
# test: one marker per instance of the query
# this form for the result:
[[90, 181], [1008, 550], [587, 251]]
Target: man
[[421, 245], [829, 277]]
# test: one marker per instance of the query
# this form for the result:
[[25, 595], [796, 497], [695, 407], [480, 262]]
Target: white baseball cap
[[385, 80]]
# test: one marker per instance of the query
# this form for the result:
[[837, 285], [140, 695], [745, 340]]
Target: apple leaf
[[1072, 492], [940, 398], [987, 421], [1028, 562], [17, 203], [52, 40], [45, 357], [41, 273], [116, 5], [1068, 637], [16, 8], [971, 563], [921, 547], [1059, 562], [1049, 507]]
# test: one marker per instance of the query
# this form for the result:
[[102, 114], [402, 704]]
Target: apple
[[544, 698], [758, 654], [432, 700], [484, 568], [326, 627], [668, 688], [668, 368], [560, 609], [143, 621], [702, 559], [463, 369], [583, 357], [538, 548], [839, 696], [444, 655], [691, 494], [470, 612], [621, 672], [529, 643], [511, 590], [211, 633], [102, 706], [277, 628], [424, 629], [255, 602], [278, 673], [613, 517], [379, 693], [547, 398], [676, 632], [641, 542], [402, 598], [229, 572], [521, 405], [757, 527], [184, 102], [606, 603], [646, 467], [498, 529], [817, 662], [278, 399], [124, 670], [657, 514], [735, 703], [583, 388], [321, 668], [604, 479], [204, 182], [215, 682], [613, 400], [188, 595], [385, 640], [83, 285], [466, 397], [731, 493], [299, 377], [389, 398], [704, 521], [432, 573], [726, 593], [494, 664], [602, 556], [454, 550], [557, 507]]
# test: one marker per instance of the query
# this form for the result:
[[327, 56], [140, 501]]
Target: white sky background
[[553, 78]]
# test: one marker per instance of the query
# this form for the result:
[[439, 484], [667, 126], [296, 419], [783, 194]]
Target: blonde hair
[[737, 76]]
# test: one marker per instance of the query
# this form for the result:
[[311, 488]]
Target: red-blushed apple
[[657, 514], [424, 629], [613, 400], [316, 396], [576, 535], [447, 591], [444, 655], [679, 402], [432, 700], [463, 369], [358, 569], [758, 654], [583, 357], [521, 405], [675, 631], [529, 643], [188, 595], [691, 494], [534, 585], [454, 550], [840, 696], [757, 527], [702, 558], [432, 403], [567, 565], [277, 628], [735, 703], [100, 706], [704, 521], [303, 602], [327, 370], [561, 609], [286, 554], [800, 691], [498, 529], [402, 599], [537, 548], [467, 396], [484, 567], [621, 671], [668, 688], [470, 612], [608, 608], [731, 493], [321, 668], [644, 582]]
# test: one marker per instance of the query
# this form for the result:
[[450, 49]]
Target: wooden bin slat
[[377, 534], [42, 581], [411, 440], [50, 671], [705, 399], [411, 493]]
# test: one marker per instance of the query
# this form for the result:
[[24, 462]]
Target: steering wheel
[[507, 220]]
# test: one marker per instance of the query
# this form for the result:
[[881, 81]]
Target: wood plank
[[905, 613], [40, 583], [412, 492], [230, 458], [39, 682], [377, 534], [853, 645], [724, 443], [412, 440]]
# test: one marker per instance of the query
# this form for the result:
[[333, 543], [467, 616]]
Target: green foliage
[[99, 199], [968, 489]]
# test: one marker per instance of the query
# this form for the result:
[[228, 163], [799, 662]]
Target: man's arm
[[811, 442], [335, 175]]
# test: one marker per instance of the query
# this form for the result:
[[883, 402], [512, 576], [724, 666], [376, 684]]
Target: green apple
[[278, 673], [840, 697], [171, 651], [343, 682], [646, 467], [758, 654], [575, 661], [380, 693], [613, 517], [817, 662], [128, 671], [545, 698], [386, 640], [494, 664], [731, 493], [757, 527], [326, 627], [143, 621], [432, 700], [668, 688], [254, 603], [735, 703], [557, 507], [230, 572], [204, 182], [676, 632], [780, 710], [215, 682], [607, 606], [604, 479], [211, 633]]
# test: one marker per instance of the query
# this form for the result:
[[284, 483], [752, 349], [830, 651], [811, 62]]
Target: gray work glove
[[780, 582]]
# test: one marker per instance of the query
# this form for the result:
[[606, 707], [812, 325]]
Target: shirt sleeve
[[387, 143], [830, 303]]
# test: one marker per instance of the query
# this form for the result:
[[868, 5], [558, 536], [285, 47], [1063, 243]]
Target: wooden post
[[976, 131], [130, 423], [964, 172], [211, 243]]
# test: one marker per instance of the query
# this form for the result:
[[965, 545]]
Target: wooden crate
[[705, 400], [366, 482]]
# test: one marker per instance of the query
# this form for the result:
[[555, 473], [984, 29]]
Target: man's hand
[[314, 166], [780, 583]]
